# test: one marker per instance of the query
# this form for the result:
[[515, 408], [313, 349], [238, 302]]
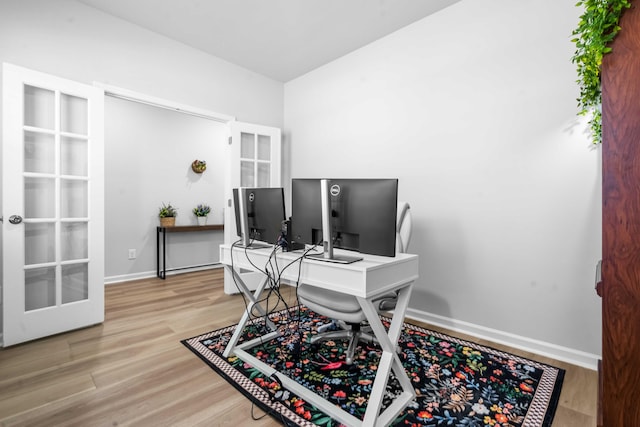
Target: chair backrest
[[403, 227]]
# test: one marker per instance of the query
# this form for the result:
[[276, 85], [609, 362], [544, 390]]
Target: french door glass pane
[[73, 240], [39, 197], [264, 174], [39, 288], [264, 147], [75, 282], [247, 145], [73, 156], [73, 114], [247, 178], [73, 198], [39, 107], [39, 152], [39, 243]]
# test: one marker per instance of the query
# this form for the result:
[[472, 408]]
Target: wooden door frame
[[620, 288]]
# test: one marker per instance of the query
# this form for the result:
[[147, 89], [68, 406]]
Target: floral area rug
[[457, 383]]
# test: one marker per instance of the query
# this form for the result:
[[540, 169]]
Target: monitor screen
[[362, 213], [259, 211]]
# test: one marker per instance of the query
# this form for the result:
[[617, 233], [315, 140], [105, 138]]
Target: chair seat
[[331, 303], [337, 305], [329, 298]]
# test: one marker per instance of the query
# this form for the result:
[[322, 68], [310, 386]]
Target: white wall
[[148, 158], [473, 109]]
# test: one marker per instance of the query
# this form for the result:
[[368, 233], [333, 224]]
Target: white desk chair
[[345, 309]]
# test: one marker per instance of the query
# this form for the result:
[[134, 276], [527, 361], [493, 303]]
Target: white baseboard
[[128, 277], [147, 274], [565, 354]]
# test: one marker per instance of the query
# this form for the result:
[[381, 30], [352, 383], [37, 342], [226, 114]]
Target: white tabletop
[[366, 278]]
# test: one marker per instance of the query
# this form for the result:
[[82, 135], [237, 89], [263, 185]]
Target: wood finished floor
[[132, 370]]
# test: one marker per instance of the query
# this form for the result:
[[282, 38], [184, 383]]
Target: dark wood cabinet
[[620, 287]]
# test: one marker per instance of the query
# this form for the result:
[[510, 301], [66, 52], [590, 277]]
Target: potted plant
[[201, 211], [167, 214]]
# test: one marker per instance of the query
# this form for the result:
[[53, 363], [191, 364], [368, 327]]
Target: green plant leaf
[[597, 27]]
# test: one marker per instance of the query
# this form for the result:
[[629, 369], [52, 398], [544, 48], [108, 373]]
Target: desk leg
[[161, 272], [158, 252], [164, 255], [253, 302], [389, 361]]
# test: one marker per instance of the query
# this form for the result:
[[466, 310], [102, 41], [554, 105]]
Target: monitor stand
[[338, 259], [327, 241], [254, 245]]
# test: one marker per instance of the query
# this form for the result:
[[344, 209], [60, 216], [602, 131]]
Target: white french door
[[254, 160], [52, 195]]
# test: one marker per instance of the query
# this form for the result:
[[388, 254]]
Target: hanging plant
[[199, 166], [597, 28]]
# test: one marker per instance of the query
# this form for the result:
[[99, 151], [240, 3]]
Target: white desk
[[364, 279]]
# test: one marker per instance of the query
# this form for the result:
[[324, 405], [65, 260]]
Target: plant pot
[[168, 221], [202, 220]]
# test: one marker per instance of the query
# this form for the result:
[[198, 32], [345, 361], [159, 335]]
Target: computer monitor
[[259, 214], [360, 214]]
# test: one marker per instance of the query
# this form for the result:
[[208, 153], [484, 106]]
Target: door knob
[[15, 219]]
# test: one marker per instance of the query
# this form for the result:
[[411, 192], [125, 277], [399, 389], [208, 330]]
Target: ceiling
[[280, 39]]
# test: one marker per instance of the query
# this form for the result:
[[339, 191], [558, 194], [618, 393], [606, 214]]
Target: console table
[[366, 279], [161, 269]]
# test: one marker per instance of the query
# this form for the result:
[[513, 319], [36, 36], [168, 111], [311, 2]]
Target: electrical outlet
[[132, 254]]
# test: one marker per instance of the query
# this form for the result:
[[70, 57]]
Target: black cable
[[273, 274], [271, 411], [235, 277], [272, 285], [298, 316], [273, 281]]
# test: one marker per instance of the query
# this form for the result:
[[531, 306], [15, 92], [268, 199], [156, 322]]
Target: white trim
[[129, 95], [111, 280], [554, 351]]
